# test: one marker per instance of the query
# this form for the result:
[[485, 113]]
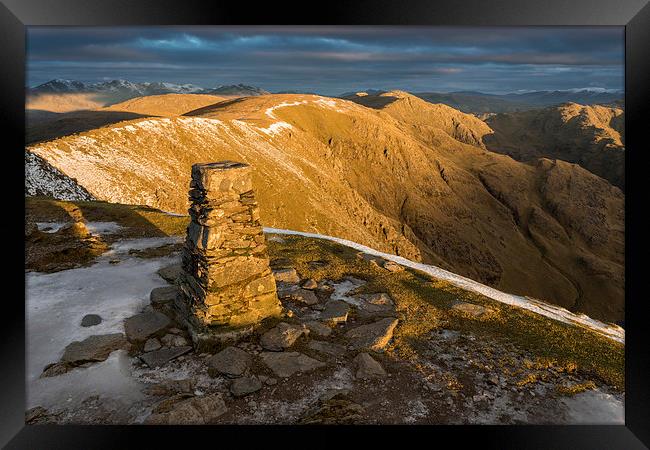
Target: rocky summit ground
[[362, 340]]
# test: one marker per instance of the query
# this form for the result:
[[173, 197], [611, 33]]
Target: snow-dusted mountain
[[129, 89]]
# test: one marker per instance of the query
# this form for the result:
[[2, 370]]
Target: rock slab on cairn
[[226, 279]]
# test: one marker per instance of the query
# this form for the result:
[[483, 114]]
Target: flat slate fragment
[[142, 326], [159, 358], [285, 364], [93, 348]]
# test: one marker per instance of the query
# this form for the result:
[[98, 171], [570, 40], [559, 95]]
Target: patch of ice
[[56, 303], [51, 227], [342, 289], [551, 311], [595, 408], [123, 246], [110, 379], [103, 227]]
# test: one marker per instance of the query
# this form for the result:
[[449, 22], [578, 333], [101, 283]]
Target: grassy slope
[[423, 303]]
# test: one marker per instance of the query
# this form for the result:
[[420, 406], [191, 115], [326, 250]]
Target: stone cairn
[[226, 280]]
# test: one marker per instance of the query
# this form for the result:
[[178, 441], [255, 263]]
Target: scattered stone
[[151, 345], [309, 283], [114, 261], [470, 309], [231, 361], [165, 295], [282, 336], [286, 364], [392, 266], [328, 348], [317, 264], [142, 326], [277, 239], [32, 415], [171, 273], [286, 275], [159, 358], [55, 369], [367, 367], [335, 311], [335, 411], [333, 394], [374, 336], [173, 340], [323, 286], [318, 328], [271, 381], [93, 348], [90, 320], [192, 411], [175, 331], [243, 386], [303, 296]]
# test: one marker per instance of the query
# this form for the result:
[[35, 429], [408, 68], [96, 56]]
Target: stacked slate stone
[[226, 278]]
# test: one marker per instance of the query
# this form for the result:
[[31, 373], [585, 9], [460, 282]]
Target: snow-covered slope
[[43, 179]]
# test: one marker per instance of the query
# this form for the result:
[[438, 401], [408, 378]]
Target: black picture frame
[[15, 15]]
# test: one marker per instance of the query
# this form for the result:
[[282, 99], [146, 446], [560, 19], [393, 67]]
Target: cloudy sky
[[333, 60]]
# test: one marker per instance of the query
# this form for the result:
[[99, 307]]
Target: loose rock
[[374, 336], [309, 283], [165, 295], [142, 326], [286, 364], [392, 266], [471, 309], [231, 361], [286, 275], [335, 311], [282, 336], [367, 368], [159, 358], [193, 411], [90, 320], [170, 273], [328, 348], [244, 386], [172, 340], [318, 328], [303, 296], [93, 348], [151, 345]]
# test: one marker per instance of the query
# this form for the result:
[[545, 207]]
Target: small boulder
[[142, 326], [164, 295], [282, 336], [303, 296], [151, 345], [244, 386], [374, 336], [366, 367], [286, 275], [470, 309], [55, 369], [328, 348], [171, 273], [173, 340], [93, 348], [285, 364], [309, 283], [231, 361], [192, 411], [318, 328], [90, 320], [159, 358], [335, 311], [392, 266]]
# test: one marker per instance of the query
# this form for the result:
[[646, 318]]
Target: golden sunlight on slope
[[405, 177], [166, 105]]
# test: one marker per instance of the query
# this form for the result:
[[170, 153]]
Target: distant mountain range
[[124, 89], [466, 101], [479, 102]]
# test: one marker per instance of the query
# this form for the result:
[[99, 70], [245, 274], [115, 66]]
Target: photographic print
[[325, 225]]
